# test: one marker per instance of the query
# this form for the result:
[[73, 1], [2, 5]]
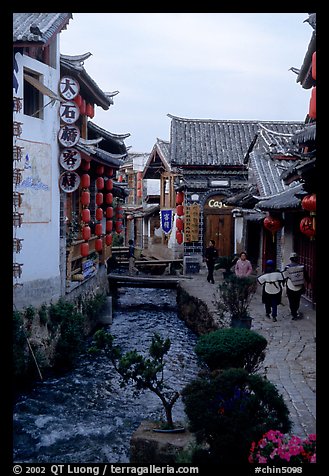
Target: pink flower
[[276, 446]]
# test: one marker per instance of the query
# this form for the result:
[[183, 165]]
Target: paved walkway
[[290, 362]]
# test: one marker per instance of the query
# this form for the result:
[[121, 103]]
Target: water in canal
[[85, 416]]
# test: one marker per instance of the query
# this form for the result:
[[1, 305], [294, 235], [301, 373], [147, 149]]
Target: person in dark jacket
[[211, 256]]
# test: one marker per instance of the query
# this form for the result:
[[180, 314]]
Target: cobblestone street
[[290, 362]]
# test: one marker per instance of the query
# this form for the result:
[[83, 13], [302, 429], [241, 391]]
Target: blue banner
[[166, 220]]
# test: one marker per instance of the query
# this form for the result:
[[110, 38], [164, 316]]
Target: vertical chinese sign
[[191, 223]]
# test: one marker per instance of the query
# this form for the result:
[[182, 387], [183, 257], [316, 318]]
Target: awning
[[42, 88]]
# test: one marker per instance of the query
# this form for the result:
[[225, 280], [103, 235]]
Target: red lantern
[[139, 193], [100, 169], [86, 233], [99, 244], [314, 65], [179, 237], [118, 226], [120, 178], [85, 198], [99, 214], [85, 215], [179, 198], [99, 229], [85, 165], [309, 203], [139, 175], [89, 110], [312, 108], [109, 198], [82, 106], [109, 172], [100, 183], [99, 198], [84, 249], [306, 227], [179, 224], [109, 184], [109, 226], [139, 185], [180, 210], [85, 181], [119, 212], [109, 212], [272, 224], [108, 240], [78, 100]]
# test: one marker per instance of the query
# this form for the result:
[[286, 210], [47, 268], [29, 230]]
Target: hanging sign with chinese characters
[[166, 217], [191, 223], [69, 136], [69, 112], [69, 87], [69, 181], [70, 159]]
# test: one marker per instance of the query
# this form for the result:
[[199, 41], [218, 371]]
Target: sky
[[224, 66]]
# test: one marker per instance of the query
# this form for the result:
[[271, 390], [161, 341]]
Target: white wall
[[41, 199]]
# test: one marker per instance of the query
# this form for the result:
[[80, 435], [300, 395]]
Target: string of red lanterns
[[307, 224], [180, 217]]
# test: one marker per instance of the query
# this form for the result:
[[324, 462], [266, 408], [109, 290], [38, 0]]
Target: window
[[33, 98]]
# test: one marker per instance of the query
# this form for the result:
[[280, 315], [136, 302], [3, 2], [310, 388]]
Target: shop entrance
[[218, 225]]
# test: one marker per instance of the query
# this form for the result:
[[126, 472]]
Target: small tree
[[230, 347], [236, 294], [144, 373]]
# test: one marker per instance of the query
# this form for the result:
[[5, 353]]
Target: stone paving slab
[[290, 361]]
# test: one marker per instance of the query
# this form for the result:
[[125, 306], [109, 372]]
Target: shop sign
[[166, 219], [70, 159], [69, 87], [213, 203], [69, 112], [191, 223], [69, 181], [69, 136]]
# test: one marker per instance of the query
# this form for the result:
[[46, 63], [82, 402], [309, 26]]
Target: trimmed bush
[[230, 411], [232, 347]]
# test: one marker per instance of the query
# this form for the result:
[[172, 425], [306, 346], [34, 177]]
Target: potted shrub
[[142, 372], [230, 411], [236, 294], [230, 347]]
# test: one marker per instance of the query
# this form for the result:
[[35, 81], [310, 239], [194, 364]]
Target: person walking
[[243, 266], [295, 276], [131, 255], [211, 255], [272, 281]]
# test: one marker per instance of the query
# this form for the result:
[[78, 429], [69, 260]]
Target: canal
[[85, 416]]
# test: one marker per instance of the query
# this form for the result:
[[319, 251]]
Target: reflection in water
[[85, 416]]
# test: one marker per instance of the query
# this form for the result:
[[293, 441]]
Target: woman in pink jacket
[[243, 266]]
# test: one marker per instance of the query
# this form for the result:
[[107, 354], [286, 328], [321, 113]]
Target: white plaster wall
[[40, 248]]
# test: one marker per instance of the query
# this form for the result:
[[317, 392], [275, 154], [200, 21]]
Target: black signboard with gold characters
[[191, 223]]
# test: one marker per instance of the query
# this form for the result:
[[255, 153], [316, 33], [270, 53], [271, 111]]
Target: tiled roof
[[164, 147], [74, 65], [267, 173], [38, 27], [283, 200], [222, 143]]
